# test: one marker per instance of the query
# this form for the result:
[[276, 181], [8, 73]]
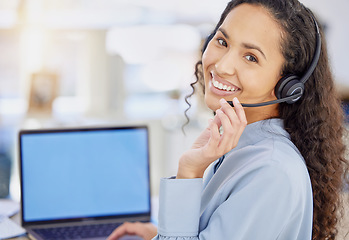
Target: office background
[[70, 63]]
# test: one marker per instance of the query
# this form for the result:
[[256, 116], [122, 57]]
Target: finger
[[118, 232], [237, 115], [229, 111], [214, 128], [227, 137], [232, 132], [240, 112], [217, 120], [214, 135], [125, 228], [210, 122]]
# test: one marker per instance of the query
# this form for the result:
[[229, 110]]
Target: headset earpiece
[[292, 85], [289, 86]]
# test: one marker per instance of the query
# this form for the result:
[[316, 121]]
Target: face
[[244, 58]]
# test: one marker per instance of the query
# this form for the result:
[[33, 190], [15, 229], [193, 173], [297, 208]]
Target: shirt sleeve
[[258, 206], [179, 207]]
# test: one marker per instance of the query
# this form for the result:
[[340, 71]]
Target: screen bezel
[[142, 215]]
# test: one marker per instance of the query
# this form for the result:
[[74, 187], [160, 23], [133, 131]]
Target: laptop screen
[[81, 173]]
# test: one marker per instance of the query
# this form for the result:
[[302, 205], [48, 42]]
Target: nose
[[225, 65]]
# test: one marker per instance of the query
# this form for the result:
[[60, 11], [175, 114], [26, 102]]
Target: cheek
[[209, 59], [258, 82], [272, 78], [210, 56], [206, 62]]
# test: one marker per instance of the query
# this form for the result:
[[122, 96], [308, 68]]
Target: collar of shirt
[[256, 132]]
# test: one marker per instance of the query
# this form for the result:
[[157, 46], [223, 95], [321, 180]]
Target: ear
[[273, 93], [277, 85]]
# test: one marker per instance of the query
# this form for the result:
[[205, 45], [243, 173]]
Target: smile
[[222, 86]]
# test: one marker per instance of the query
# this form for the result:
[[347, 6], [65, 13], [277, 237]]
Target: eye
[[222, 42], [251, 58]]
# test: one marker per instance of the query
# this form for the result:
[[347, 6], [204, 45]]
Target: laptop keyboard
[[77, 232]]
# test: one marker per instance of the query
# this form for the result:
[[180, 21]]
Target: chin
[[213, 105]]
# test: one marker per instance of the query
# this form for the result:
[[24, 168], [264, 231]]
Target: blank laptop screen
[[86, 173]]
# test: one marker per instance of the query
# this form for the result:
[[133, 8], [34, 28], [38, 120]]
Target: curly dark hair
[[315, 122]]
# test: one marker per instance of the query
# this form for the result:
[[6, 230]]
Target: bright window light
[[165, 54]]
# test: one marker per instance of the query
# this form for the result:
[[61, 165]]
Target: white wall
[[336, 16]]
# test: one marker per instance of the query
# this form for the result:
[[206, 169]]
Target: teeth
[[221, 86], [215, 83]]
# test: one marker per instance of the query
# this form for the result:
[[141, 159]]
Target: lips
[[223, 85]]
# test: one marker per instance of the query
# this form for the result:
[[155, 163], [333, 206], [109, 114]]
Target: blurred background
[[67, 63]]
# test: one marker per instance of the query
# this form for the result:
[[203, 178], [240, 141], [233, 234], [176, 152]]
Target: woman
[[280, 167]]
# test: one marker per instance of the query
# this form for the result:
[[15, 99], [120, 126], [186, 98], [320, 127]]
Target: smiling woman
[[271, 172], [242, 56]]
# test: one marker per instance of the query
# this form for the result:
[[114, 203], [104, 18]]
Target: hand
[[145, 230], [211, 145]]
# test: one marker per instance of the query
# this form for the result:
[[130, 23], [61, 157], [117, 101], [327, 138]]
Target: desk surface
[[17, 218], [343, 225]]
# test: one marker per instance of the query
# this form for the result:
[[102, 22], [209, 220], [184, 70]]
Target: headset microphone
[[289, 88], [290, 98]]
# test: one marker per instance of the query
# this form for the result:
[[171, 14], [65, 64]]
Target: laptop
[[83, 179]]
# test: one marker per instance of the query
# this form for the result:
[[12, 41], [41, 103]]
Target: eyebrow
[[245, 45]]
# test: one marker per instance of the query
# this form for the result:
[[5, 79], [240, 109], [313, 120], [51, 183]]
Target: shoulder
[[265, 155], [271, 160], [275, 155], [267, 141], [279, 153]]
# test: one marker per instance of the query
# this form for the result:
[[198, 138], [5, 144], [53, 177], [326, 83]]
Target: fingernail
[[236, 99], [222, 100]]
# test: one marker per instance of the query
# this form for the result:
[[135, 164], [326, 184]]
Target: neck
[[255, 114]]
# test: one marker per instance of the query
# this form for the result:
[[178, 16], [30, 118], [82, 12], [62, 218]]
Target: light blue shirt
[[261, 190]]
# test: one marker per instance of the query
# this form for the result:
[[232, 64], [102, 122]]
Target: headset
[[289, 88]]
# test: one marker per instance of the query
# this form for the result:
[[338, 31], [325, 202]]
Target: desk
[[17, 218], [154, 210], [343, 226]]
